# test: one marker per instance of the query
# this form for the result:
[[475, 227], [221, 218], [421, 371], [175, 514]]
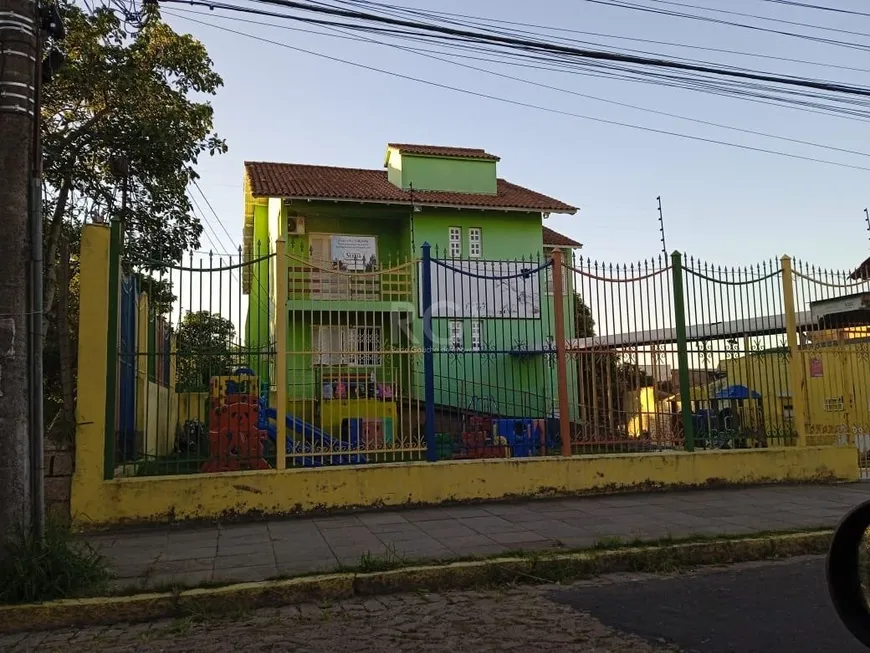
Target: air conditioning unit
[[295, 226]]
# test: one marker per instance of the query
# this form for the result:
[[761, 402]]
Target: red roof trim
[[555, 239], [439, 150]]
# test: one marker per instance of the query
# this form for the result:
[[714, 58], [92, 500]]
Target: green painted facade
[[494, 378], [441, 173]]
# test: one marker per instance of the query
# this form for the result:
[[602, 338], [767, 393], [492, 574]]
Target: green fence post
[[112, 347], [682, 350]]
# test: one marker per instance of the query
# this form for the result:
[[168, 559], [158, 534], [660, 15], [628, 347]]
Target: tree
[[130, 95], [604, 376], [205, 348]]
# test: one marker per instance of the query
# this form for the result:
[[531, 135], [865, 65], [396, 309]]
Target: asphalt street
[[773, 607]]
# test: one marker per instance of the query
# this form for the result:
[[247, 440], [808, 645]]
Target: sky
[[725, 205]]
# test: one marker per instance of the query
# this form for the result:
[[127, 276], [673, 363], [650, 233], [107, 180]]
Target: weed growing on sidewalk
[[56, 568]]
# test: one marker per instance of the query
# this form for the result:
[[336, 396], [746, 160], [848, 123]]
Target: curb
[[533, 568]]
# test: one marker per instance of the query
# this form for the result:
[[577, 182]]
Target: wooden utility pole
[[18, 58]]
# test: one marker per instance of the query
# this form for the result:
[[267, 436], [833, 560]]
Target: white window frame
[[475, 242], [834, 404], [344, 346], [454, 241], [476, 335], [550, 281], [456, 334]]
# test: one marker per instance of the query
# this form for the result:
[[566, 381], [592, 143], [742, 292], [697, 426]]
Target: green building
[[354, 240]]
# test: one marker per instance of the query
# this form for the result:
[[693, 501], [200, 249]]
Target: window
[[455, 333], [474, 242], [834, 404], [455, 241], [346, 345], [788, 412], [550, 280], [476, 335]]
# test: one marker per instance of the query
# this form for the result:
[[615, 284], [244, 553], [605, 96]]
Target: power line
[[749, 91], [718, 21], [757, 17], [527, 104], [566, 30], [343, 34], [806, 5], [542, 46]]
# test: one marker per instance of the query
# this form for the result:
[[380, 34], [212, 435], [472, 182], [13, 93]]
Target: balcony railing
[[382, 282]]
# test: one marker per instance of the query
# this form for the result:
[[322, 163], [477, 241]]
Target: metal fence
[[192, 362], [281, 361]]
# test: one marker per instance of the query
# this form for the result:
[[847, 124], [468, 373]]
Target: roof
[[438, 150], [297, 181], [555, 239], [863, 271]]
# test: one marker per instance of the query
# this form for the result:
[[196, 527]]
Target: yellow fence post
[[561, 354], [796, 362], [93, 363], [280, 379]]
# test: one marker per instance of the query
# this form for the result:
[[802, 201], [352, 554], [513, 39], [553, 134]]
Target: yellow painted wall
[[648, 413], [211, 496], [192, 405], [845, 372]]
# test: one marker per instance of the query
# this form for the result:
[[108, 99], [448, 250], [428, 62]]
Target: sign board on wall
[[485, 289], [816, 368], [357, 253]]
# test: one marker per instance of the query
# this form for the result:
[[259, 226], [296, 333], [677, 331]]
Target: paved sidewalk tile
[[179, 555]]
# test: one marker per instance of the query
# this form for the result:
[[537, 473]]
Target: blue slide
[[311, 435]]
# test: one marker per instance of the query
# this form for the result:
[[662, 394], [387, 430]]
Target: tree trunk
[[55, 233], [16, 142], [64, 344]]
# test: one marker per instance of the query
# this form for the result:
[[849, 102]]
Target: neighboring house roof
[[297, 181], [555, 239], [863, 271], [438, 150]]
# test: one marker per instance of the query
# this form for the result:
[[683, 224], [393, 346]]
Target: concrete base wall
[[97, 503]]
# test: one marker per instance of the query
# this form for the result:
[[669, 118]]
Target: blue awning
[[736, 392]]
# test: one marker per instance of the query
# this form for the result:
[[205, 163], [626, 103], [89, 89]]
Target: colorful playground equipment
[[235, 436], [240, 422]]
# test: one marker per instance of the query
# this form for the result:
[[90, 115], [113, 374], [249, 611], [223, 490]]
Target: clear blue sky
[[724, 205]]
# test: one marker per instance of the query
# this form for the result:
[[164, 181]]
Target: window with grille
[[455, 234], [834, 404], [550, 280], [474, 242], [456, 339], [476, 335], [354, 346]]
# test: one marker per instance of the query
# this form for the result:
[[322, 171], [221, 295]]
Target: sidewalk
[[190, 556]]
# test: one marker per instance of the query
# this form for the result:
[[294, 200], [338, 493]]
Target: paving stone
[[382, 518], [248, 560], [183, 566], [491, 524], [245, 574]]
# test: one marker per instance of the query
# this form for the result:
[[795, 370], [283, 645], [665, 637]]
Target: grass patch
[[56, 568]]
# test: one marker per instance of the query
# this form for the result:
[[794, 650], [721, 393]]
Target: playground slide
[[311, 435]]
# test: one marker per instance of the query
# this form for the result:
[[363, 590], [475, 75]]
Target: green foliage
[[604, 376], [143, 97], [128, 95], [56, 568], [204, 345]]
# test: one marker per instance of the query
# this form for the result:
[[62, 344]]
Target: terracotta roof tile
[[438, 150], [555, 239], [291, 180]]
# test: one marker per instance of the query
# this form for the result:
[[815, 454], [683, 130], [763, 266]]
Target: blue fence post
[[428, 354]]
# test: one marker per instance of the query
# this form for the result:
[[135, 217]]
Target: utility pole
[[18, 68]]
